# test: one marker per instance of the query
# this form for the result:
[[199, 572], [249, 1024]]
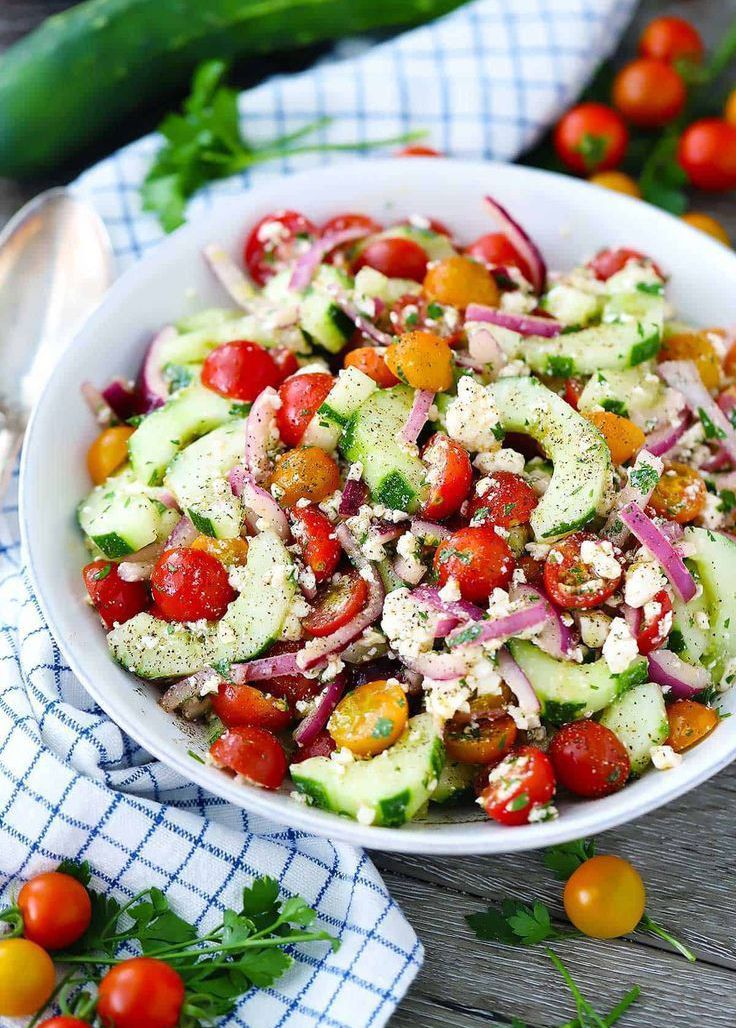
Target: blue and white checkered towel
[[485, 81]]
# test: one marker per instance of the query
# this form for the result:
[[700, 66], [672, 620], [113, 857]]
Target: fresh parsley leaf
[[662, 180], [515, 924], [73, 868], [562, 860]]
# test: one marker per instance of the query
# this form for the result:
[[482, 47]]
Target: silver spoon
[[56, 264]]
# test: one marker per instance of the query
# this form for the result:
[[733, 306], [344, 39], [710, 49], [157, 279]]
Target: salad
[[409, 522]]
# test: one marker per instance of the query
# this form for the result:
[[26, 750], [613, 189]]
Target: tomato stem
[[13, 917], [647, 925]]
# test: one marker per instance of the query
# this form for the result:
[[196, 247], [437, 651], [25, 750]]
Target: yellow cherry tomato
[[458, 281], [370, 718], [605, 897], [618, 181], [108, 452], [230, 552], [623, 437], [690, 722], [305, 473], [696, 347], [27, 977], [711, 226], [422, 360], [729, 110], [680, 494]]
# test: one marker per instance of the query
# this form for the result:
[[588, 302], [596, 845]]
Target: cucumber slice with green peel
[[639, 720], [190, 413], [635, 393], [152, 648], [198, 479], [647, 308], [122, 516], [322, 321], [435, 245], [581, 459], [592, 349], [571, 306], [195, 345], [388, 789], [568, 691], [373, 285], [208, 319], [690, 635], [392, 470], [351, 389], [455, 782], [715, 561]]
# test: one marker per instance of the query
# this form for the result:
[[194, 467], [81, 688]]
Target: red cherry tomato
[[608, 262], [321, 746], [417, 150], [506, 501], [56, 910], [478, 559], [573, 391], [342, 221], [246, 705], [190, 584], [274, 241], [591, 137], [649, 93], [315, 536], [654, 631], [301, 396], [589, 759], [140, 993], [522, 781], [64, 1022], [336, 604], [707, 153], [116, 601], [394, 257], [292, 688], [252, 752], [495, 250], [285, 361], [671, 39], [571, 582], [449, 476], [240, 370]]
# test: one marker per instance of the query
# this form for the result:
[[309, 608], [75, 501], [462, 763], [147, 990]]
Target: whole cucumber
[[84, 69]]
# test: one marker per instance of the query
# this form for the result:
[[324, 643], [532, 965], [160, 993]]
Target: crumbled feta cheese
[[444, 699], [333, 668], [331, 505], [450, 591], [515, 301], [712, 516], [538, 551], [365, 815], [500, 460], [599, 555], [515, 369], [408, 625], [342, 756], [371, 645], [523, 719], [619, 649], [542, 812], [644, 579], [471, 417], [210, 685], [594, 628], [664, 758], [407, 547], [702, 620], [291, 630]]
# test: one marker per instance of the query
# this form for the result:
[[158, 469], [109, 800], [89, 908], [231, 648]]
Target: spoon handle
[[12, 428]]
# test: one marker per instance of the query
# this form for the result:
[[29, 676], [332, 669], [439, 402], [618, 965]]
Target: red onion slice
[[260, 426], [429, 530], [353, 497], [484, 347], [229, 275], [423, 400], [313, 723], [518, 683], [651, 537], [264, 668], [684, 376], [367, 327], [464, 360], [411, 574], [444, 626], [461, 609], [524, 324], [121, 397], [306, 266], [259, 504], [520, 241], [152, 387], [555, 638], [183, 534], [632, 617], [501, 628], [149, 553], [100, 409], [685, 680], [666, 438], [643, 478], [136, 571], [187, 689]]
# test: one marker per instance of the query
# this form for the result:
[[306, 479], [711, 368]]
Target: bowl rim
[[417, 837]]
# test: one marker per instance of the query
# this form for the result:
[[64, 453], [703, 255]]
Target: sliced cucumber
[[198, 479], [581, 459], [715, 560], [592, 349], [351, 390], [455, 782], [634, 393], [568, 691], [322, 321], [372, 285], [571, 306], [639, 719], [390, 788], [122, 515], [392, 471], [690, 635], [209, 319], [194, 346]]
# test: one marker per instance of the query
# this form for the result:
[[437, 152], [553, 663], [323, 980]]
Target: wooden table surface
[[686, 852]]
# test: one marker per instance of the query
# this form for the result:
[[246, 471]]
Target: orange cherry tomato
[[671, 39], [707, 153], [680, 494], [370, 718], [307, 473], [690, 722], [459, 281], [605, 897], [422, 360], [649, 93], [56, 910], [617, 181], [108, 452], [27, 977], [729, 110], [591, 137], [480, 742], [696, 347], [711, 226], [623, 438], [372, 363], [230, 552]]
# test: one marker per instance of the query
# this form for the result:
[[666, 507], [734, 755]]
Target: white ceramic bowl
[[568, 219]]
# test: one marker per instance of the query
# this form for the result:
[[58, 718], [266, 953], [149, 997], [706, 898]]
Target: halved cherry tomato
[[417, 150], [573, 391], [27, 977], [459, 281], [274, 241], [570, 581], [291, 688], [285, 361], [707, 153], [695, 347], [190, 584], [108, 452], [506, 500], [607, 262], [495, 250], [370, 718], [671, 39], [64, 1022], [680, 494], [623, 438], [481, 741], [116, 601], [321, 746], [372, 363], [591, 137], [315, 536], [605, 897], [342, 221], [394, 257], [481, 708], [478, 559], [240, 370], [649, 93], [56, 910], [141, 993], [246, 705], [422, 360], [337, 603], [690, 722], [301, 396], [307, 473], [449, 476], [252, 752], [412, 312], [655, 630], [589, 759], [523, 781], [230, 552]]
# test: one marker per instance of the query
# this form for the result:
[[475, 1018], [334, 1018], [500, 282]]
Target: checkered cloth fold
[[485, 81]]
